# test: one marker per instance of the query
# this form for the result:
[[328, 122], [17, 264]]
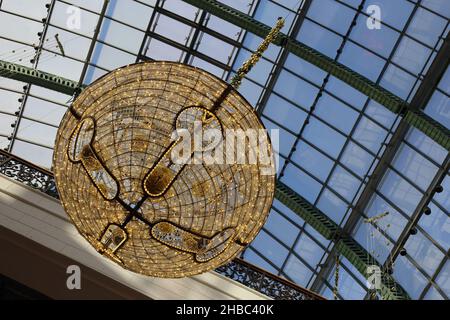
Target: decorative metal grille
[[27, 173]]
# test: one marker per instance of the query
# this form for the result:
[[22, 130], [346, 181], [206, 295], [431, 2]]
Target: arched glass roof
[[343, 152]]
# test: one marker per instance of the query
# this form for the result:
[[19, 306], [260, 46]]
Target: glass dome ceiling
[[344, 153]]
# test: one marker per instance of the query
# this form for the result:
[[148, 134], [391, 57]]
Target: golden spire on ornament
[[254, 58]]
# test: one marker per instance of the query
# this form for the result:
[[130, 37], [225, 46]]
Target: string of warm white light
[[125, 193]]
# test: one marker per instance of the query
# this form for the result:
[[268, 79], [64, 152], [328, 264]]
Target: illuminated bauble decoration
[[126, 196]]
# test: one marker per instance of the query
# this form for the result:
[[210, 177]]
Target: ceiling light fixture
[[136, 202]]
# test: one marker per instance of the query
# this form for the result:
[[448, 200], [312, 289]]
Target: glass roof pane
[[346, 93], [336, 113], [305, 69], [197, 62], [312, 160], [381, 40], [33, 131], [26, 34], [22, 7], [426, 145], [281, 228], [74, 46], [61, 13], [284, 112], [411, 55], [159, 50], [270, 248], [251, 256], [369, 134], [131, 12], [398, 81], [309, 250], [344, 183], [443, 279], [181, 8], [433, 294], [319, 38], [324, 137], [121, 36], [409, 277], [316, 235], [71, 70], [331, 14], [442, 7], [348, 288], [44, 111], [426, 27], [295, 89], [107, 58], [370, 237], [393, 13], [414, 166], [357, 159], [93, 5], [392, 224], [224, 27], [251, 91], [40, 156], [9, 102], [173, 29], [268, 12], [301, 183], [439, 107], [287, 138], [288, 213], [400, 192], [382, 115], [209, 46], [297, 271], [5, 124], [332, 205], [362, 60], [424, 253]]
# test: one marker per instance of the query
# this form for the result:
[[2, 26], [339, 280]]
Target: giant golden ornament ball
[[129, 201]]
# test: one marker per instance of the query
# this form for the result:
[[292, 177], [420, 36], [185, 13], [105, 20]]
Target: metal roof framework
[[208, 25]]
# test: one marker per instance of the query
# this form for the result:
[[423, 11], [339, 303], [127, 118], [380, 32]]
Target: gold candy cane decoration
[[248, 65]]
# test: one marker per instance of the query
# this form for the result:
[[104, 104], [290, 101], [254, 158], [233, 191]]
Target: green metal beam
[[429, 126], [345, 244], [39, 78], [392, 102]]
